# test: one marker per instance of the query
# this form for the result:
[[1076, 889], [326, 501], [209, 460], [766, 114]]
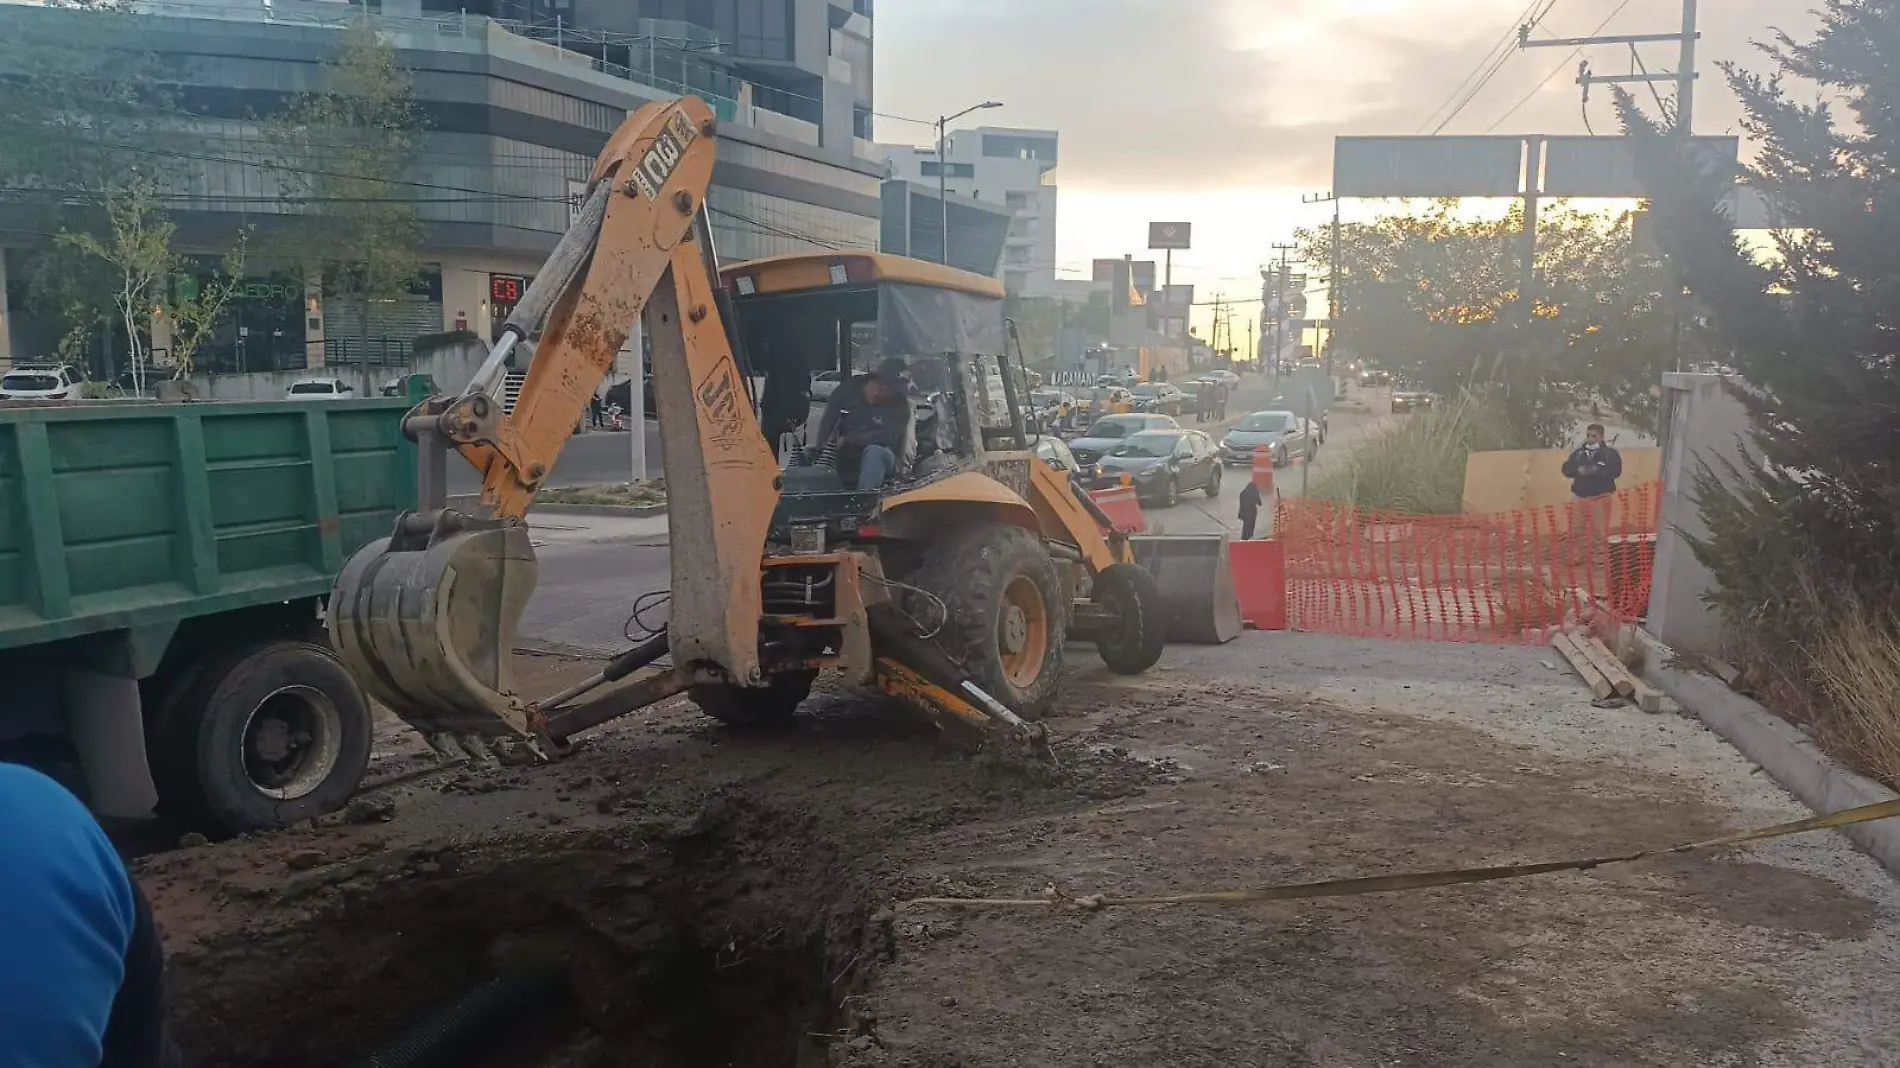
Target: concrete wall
[[1705, 425], [452, 366]]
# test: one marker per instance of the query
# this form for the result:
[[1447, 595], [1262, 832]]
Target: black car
[[1163, 464]]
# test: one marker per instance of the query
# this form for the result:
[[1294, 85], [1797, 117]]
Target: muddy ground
[[717, 898]]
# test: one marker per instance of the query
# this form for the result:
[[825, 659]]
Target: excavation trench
[[733, 939]]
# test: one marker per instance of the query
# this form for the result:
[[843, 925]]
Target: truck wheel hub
[[1015, 629], [292, 742]]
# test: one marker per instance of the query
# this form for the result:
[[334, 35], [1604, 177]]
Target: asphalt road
[[593, 570], [590, 459]]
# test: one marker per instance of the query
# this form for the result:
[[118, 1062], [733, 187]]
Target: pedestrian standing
[[596, 412], [1249, 509], [1220, 400], [1593, 467]]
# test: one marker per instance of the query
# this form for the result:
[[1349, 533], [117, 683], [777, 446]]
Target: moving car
[[1158, 397], [1373, 376], [41, 383], [319, 389], [1164, 463], [1408, 397], [1049, 405], [1110, 430], [1281, 431], [1223, 376]]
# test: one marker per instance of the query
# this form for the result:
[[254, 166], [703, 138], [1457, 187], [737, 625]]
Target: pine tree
[[1811, 326]]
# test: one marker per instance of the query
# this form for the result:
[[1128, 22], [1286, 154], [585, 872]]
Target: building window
[[1014, 146], [1014, 282], [862, 126], [1017, 201], [932, 169]]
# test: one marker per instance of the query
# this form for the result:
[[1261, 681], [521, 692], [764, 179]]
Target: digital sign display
[[506, 288]]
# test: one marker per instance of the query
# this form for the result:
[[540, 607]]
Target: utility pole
[[943, 171], [1533, 190], [1684, 76], [1333, 281], [1278, 308]]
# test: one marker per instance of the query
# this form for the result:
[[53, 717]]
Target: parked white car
[[319, 389], [40, 383], [823, 385]]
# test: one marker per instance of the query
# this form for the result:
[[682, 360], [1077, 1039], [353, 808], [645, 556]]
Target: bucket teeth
[[427, 626]]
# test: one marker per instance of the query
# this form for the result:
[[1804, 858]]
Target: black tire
[[263, 738], [1132, 594], [975, 570], [1279, 456], [1213, 482], [1170, 493], [770, 706]]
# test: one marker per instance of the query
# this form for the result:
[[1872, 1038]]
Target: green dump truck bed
[[120, 516]]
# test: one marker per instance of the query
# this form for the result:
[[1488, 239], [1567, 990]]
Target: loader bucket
[[1198, 595], [429, 630]]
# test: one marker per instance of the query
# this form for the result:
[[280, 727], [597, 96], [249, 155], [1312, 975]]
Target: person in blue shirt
[[81, 968]]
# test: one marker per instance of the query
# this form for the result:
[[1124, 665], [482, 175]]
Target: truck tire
[[771, 706], [263, 738], [1135, 644], [1003, 617]]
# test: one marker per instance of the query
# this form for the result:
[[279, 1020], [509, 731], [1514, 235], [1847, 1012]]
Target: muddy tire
[[1135, 643], [1213, 483], [262, 738], [1007, 620], [769, 706]]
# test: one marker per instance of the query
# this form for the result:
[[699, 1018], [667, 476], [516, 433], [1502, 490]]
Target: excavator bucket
[[426, 622], [1201, 603]]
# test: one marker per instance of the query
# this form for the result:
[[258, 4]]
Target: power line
[[1556, 70], [1490, 55], [1503, 59]]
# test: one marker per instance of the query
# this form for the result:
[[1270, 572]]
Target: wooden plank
[[1587, 670], [1648, 698], [1607, 663]]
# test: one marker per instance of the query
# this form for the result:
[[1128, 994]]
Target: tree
[[1436, 298], [85, 101], [1810, 326], [137, 246], [1039, 322], [342, 153], [197, 306]]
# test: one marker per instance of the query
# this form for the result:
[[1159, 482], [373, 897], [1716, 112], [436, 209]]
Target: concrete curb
[[1786, 754]]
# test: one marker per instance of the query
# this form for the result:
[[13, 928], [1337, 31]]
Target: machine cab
[[839, 315]]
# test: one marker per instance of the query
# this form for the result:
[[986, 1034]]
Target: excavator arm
[[426, 618]]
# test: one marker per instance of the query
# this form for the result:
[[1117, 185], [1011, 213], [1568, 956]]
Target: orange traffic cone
[[1263, 470]]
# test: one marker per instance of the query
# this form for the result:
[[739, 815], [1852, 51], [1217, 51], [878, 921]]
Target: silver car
[[1282, 433]]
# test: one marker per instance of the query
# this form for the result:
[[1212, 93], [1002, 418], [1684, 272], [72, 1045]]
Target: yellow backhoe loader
[[957, 584]]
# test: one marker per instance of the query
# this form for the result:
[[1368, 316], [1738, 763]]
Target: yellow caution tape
[[1384, 884]]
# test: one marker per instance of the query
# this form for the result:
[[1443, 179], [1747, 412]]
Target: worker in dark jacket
[[871, 419], [81, 969], [1249, 509], [1593, 468]]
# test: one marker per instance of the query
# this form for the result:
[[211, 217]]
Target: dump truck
[[163, 575]]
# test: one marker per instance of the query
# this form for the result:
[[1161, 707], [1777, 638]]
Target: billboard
[[1605, 166], [1144, 277], [1177, 296], [1170, 235], [1428, 166], [1104, 270]]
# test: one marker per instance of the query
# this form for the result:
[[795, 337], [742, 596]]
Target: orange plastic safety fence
[[1511, 577]]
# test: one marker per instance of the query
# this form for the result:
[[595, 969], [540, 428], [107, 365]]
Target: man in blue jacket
[[1594, 468], [81, 969]]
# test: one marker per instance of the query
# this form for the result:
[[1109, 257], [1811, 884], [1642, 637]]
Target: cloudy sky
[[1222, 112]]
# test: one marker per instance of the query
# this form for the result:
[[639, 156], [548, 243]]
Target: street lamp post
[[943, 174]]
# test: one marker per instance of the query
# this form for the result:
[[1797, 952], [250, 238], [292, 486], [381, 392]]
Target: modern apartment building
[[518, 97], [1001, 165]]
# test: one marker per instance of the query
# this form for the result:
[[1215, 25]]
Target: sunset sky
[[1222, 112]]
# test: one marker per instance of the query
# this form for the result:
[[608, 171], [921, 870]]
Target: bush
[[1418, 467], [1856, 659]]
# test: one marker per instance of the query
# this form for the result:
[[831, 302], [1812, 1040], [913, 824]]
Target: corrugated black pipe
[[453, 1034]]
